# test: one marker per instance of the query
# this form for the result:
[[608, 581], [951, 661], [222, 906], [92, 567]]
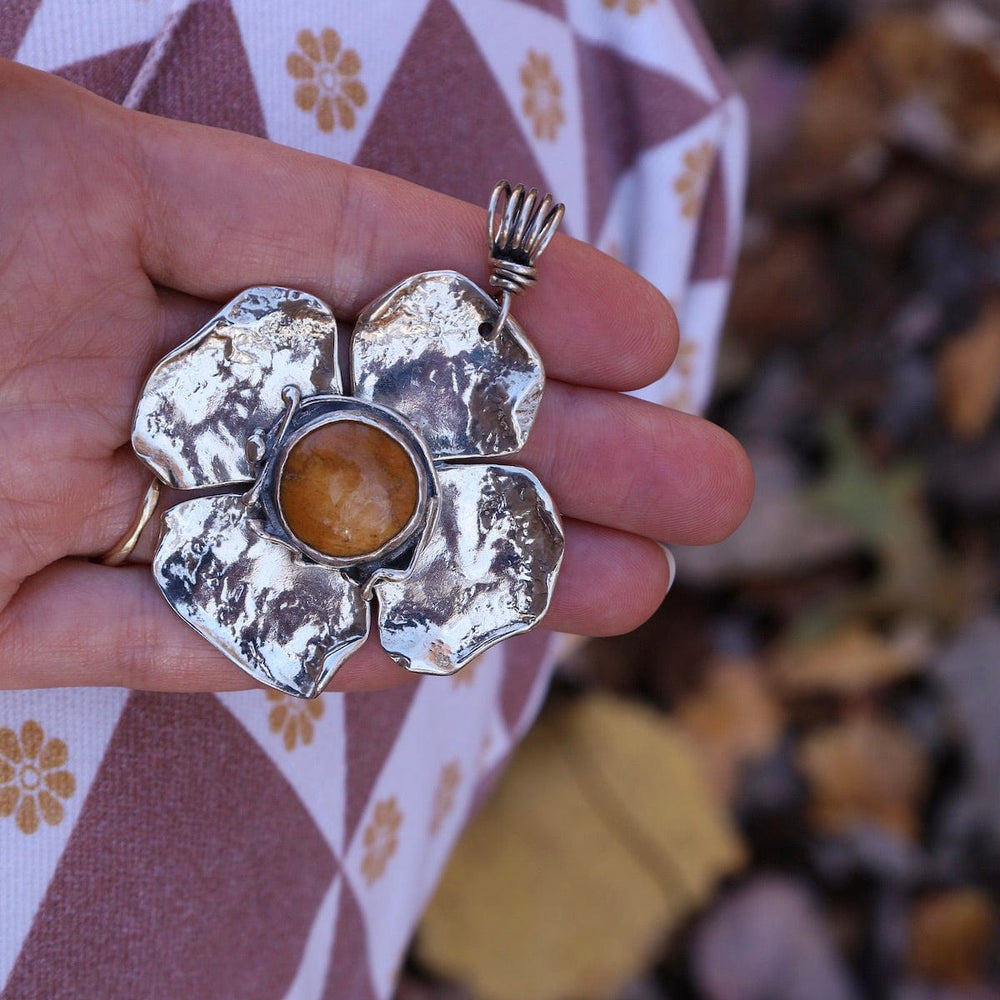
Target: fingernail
[[672, 563]]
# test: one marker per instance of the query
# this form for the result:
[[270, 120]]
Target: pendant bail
[[520, 227]]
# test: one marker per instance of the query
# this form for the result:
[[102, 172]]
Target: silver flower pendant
[[369, 489]]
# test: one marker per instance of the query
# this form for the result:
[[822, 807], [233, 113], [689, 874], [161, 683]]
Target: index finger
[[223, 211]]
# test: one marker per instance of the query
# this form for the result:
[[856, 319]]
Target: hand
[[122, 232]]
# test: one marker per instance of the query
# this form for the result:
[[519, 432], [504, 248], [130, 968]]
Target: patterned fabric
[[248, 845]]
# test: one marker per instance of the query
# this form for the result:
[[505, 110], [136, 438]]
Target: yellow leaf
[[600, 838]]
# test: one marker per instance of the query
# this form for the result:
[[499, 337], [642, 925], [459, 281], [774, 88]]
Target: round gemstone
[[347, 488]]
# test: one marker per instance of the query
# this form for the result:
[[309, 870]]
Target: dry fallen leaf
[[731, 719], [598, 840], [951, 936], [850, 661], [885, 508], [865, 771], [767, 306], [969, 374], [917, 81]]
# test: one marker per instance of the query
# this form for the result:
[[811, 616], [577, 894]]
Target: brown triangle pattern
[[15, 19], [703, 44], [443, 121], [109, 75], [205, 76], [524, 657], [348, 977], [557, 8], [193, 870], [713, 257], [660, 107], [372, 721]]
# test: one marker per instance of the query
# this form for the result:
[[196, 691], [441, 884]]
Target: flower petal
[[299, 67], [418, 351], [52, 808], [27, 815], [203, 400], [355, 91], [276, 720], [324, 115], [309, 44], [345, 113], [288, 623], [54, 754], [10, 746], [8, 799], [306, 729], [32, 737], [331, 44], [61, 782], [487, 572], [350, 63], [306, 96]]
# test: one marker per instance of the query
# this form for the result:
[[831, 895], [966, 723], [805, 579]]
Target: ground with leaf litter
[[787, 785]]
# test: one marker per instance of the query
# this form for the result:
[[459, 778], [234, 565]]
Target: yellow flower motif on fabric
[[381, 839], [631, 7], [684, 362], [691, 183], [542, 95], [444, 796], [293, 718], [681, 400], [32, 779], [328, 74]]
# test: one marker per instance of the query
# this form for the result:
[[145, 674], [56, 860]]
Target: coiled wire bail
[[520, 228]]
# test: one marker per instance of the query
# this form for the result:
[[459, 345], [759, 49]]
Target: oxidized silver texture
[[475, 561], [471, 396], [192, 418], [286, 621], [460, 382]]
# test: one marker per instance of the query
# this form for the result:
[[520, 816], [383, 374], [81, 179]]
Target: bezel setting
[[393, 558]]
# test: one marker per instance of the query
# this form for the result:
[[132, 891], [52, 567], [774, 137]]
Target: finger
[[610, 581], [68, 505], [608, 459], [77, 623], [182, 316], [80, 624], [637, 466], [347, 234]]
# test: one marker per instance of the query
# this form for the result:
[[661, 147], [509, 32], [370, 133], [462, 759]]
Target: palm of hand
[[121, 232]]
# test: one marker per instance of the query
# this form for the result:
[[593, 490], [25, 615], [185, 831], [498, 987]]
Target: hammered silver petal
[[204, 399], [418, 350], [286, 622], [486, 573]]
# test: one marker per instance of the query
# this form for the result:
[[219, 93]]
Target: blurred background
[[787, 785]]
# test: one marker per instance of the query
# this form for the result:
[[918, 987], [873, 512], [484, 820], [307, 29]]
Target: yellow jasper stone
[[347, 488]]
